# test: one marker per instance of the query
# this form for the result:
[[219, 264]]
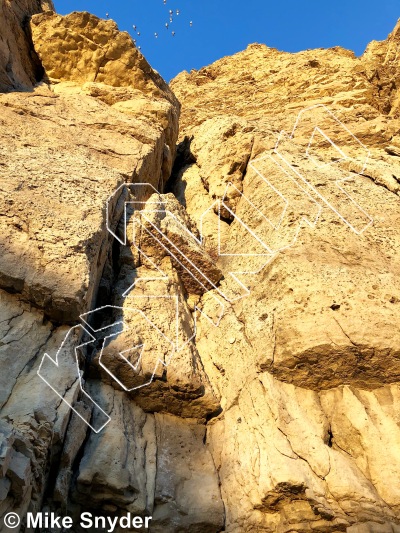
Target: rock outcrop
[[69, 145], [207, 335], [307, 366], [20, 68]]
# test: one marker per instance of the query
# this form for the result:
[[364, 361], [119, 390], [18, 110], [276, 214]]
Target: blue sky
[[223, 27]]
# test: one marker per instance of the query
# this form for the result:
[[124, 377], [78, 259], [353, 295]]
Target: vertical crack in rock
[[282, 418]]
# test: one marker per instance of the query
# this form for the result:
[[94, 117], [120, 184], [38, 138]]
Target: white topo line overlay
[[302, 186]]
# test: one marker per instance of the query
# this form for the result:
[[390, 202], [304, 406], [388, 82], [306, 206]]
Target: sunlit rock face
[[306, 367], [243, 225], [20, 68]]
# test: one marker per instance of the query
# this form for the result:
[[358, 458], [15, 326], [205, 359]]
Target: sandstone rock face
[[69, 146], [220, 320], [307, 365], [19, 65], [107, 144]]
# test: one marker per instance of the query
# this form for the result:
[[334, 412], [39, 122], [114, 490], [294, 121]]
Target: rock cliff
[[198, 283]]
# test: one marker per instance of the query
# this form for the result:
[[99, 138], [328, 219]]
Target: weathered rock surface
[[67, 149], [93, 146], [316, 341], [19, 65], [227, 336]]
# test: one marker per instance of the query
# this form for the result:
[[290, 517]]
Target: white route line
[[56, 362], [197, 274]]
